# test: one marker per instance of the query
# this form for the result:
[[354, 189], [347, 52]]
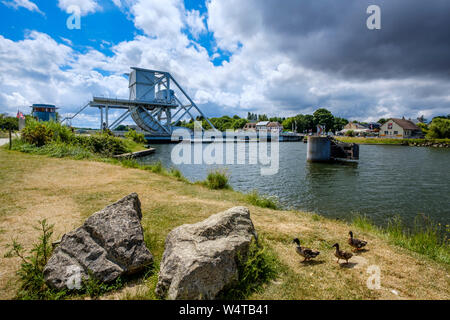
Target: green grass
[[425, 237], [391, 141], [217, 180], [257, 268], [262, 201], [54, 149]]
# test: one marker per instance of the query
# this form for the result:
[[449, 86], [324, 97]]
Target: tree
[[263, 117], [439, 128], [339, 124], [382, 121], [287, 124], [324, 117], [423, 127], [124, 127], [239, 123], [9, 123]]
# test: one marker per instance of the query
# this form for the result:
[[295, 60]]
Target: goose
[[340, 254], [305, 252], [356, 243]]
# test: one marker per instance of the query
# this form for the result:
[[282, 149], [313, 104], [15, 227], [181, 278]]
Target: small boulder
[[109, 244], [201, 259]]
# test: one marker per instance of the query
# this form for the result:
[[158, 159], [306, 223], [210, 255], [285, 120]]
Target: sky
[[275, 57]]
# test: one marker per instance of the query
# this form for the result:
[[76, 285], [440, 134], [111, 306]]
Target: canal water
[[385, 182]]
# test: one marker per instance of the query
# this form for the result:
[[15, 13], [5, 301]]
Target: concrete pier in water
[[319, 149]]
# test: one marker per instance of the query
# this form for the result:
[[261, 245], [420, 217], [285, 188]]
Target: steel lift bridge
[[156, 103]]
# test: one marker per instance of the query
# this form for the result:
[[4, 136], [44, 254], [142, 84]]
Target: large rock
[[200, 259], [109, 244]]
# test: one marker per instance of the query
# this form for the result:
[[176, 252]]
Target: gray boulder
[[109, 244], [200, 259]]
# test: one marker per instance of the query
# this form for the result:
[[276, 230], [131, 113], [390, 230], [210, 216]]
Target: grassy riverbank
[[66, 191], [410, 142]]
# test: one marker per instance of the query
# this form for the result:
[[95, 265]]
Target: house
[[44, 112], [400, 128], [355, 126], [274, 126], [250, 126], [262, 125]]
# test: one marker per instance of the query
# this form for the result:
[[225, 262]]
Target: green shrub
[[136, 137], [31, 271], [350, 133], [217, 180], [95, 288], [37, 134], [66, 143], [102, 144], [262, 201], [61, 133], [258, 267], [439, 129]]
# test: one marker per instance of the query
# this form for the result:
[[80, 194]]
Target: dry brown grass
[[65, 192]]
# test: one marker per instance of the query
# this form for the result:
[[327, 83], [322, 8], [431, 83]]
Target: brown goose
[[305, 252], [356, 243], [340, 254]]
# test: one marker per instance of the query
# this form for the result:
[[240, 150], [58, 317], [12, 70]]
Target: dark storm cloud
[[332, 36]]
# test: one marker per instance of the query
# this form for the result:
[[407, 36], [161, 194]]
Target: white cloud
[[118, 3], [161, 18], [86, 6], [195, 23], [258, 77], [27, 4]]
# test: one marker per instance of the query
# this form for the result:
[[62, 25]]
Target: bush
[[217, 180], [102, 144], [350, 133], [262, 201], [31, 272], [37, 134], [61, 133], [258, 267], [65, 143], [439, 129], [136, 137]]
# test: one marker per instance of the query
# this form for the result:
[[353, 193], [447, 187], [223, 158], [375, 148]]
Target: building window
[[385, 132], [395, 132]]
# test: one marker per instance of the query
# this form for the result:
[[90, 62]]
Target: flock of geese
[[309, 254]]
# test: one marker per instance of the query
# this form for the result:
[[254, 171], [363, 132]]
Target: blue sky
[[98, 30], [233, 57]]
